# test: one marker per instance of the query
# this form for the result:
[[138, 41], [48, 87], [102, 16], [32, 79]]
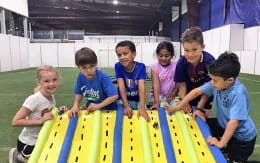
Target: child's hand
[[47, 116], [187, 108], [128, 111], [170, 99], [154, 107], [214, 141], [142, 112], [171, 109], [92, 107], [74, 111], [199, 114], [63, 108]]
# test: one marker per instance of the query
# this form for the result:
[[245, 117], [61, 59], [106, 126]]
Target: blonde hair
[[41, 69]]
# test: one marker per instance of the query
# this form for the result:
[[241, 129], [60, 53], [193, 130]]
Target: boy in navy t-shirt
[[131, 77], [92, 84], [191, 70], [233, 126]]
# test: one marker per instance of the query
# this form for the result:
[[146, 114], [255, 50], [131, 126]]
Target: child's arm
[[182, 89], [127, 109], [20, 118], [190, 96], [141, 110], [203, 100], [202, 113], [156, 88], [229, 131], [75, 108], [182, 93], [107, 101], [173, 94]]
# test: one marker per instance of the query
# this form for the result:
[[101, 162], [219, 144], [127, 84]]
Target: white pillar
[[2, 20], [25, 27]]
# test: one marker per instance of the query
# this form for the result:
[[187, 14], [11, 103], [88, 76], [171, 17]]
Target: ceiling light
[[117, 12], [115, 2], [66, 8]]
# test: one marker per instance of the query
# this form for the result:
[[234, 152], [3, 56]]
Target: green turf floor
[[15, 86]]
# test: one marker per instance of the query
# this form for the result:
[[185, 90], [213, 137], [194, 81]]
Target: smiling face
[[125, 56], [164, 57], [88, 70], [193, 51], [48, 82], [219, 83]]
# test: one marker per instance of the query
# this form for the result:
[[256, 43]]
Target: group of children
[[196, 77]]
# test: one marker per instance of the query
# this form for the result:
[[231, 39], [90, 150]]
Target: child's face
[[48, 82], [125, 56], [219, 83], [164, 57], [88, 70], [193, 51]]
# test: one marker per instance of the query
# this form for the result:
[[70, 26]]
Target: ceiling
[[127, 17]]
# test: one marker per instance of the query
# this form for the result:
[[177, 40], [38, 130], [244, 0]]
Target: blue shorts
[[133, 104]]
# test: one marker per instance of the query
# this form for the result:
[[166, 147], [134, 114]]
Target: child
[[131, 77], [92, 83], [34, 112], [233, 126], [162, 74], [191, 70]]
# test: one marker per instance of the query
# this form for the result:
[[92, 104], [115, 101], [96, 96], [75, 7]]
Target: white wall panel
[[49, 54], [24, 51], [236, 37], [247, 62], [112, 55], [103, 55], [149, 53], [66, 55], [224, 38], [138, 39], [216, 33], [257, 63], [5, 54], [107, 39], [139, 54], [150, 39], [15, 53], [79, 46], [121, 38], [207, 36], [250, 42], [258, 38], [238, 53], [35, 59], [177, 48]]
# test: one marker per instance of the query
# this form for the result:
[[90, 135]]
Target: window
[[14, 23]]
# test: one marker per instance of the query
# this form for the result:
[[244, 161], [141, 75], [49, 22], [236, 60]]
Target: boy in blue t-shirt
[[131, 77], [233, 126], [92, 83], [191, 70]]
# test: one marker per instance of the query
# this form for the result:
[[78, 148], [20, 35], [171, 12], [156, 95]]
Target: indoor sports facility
[[37, 32]]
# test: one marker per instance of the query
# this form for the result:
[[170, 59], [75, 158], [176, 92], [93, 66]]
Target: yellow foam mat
[[156, 137], [182, 153], [132, 149], [82, 138], [53, 145]]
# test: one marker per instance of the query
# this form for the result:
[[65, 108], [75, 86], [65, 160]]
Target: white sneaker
[[15, 156], [12, 155]]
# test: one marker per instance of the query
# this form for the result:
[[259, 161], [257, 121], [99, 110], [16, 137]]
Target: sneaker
[[12, 155], [15, 156]]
